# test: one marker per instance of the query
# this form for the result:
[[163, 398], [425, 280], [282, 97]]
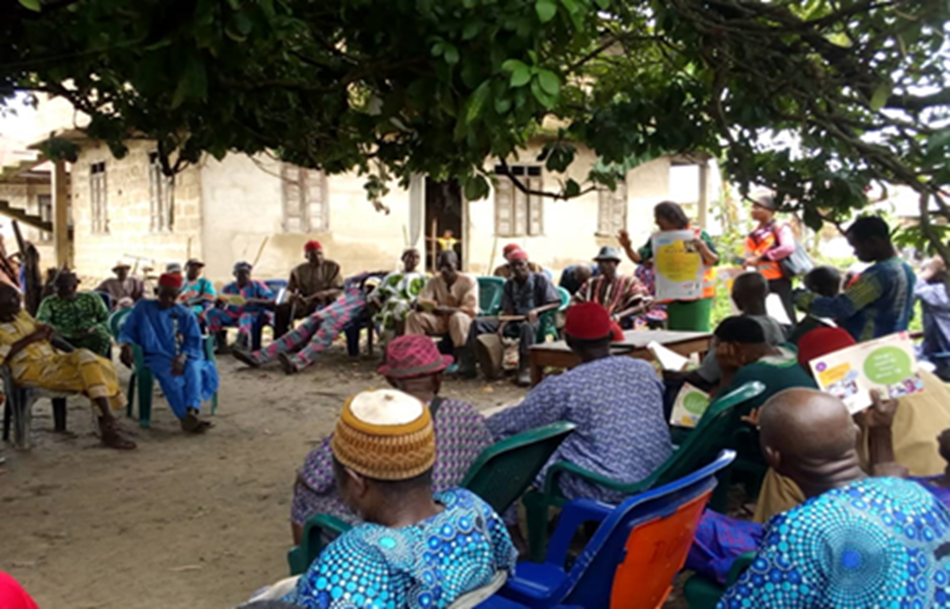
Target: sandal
[[244, 356], [111, 438], [192, 424], [287, 363]]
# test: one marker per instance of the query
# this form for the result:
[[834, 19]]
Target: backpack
[[797, 263]]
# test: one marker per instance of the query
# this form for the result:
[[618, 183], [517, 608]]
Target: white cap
[[386, 407]]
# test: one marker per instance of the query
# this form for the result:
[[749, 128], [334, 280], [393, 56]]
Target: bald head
[[808, 436]]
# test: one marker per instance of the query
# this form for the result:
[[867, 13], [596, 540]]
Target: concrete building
[[261, 210]]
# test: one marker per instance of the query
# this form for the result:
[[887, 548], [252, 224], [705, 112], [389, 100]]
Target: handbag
[[797, 263]]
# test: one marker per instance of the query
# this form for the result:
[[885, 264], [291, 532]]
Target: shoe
[[243, 355], [453, 369], [287, 363], [524, 378]]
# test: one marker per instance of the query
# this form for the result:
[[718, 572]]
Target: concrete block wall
[[130, 234]]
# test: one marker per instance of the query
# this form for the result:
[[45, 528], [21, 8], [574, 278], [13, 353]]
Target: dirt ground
[[184, 521]]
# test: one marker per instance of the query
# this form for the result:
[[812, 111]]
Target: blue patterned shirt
[[878, 542], [617, 404], [427, 565], [880, 302]]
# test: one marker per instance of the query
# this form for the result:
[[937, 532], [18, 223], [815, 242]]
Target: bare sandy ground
[[184, 521]]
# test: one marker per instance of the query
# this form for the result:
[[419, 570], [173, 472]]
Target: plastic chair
[[142, 379], [106, 298], [710, 436], [18, 409], [489, 294], [704, 593], [500, 475], [548, 327], [633, 557]]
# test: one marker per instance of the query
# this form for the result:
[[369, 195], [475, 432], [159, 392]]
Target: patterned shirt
[[426, 565], [878, 542], [73, 318], [198, 294], [460, 436], [254, 289], [615, 295], [396, 292], [879, 303], [616, 404], [936, 309]]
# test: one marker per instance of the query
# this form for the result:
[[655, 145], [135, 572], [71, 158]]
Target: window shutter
[[619, 208], [292, 192], [535, 209], [316, 208], [503, 204]]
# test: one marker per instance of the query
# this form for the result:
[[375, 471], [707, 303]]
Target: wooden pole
[[703, 202], [61, 215], [435, 246]]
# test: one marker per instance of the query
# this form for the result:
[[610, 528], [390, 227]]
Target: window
[[305, 199], [516, 213], [612, 209], [97, 197], [161, 192], [45, 205]]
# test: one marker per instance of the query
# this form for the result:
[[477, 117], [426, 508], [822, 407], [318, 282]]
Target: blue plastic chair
[[142, 380], [106, 298], [633, 557], [489, 294]]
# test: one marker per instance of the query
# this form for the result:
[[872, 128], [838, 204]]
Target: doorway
[[443, 213]]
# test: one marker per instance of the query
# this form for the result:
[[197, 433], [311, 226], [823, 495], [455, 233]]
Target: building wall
[[242, 200], [570, 227], [128, 204], [24, 196]]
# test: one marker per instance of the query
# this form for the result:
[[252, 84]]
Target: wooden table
[[634, 344]]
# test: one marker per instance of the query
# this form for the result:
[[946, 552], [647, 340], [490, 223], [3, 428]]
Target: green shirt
[[776, 372], [72, 318]]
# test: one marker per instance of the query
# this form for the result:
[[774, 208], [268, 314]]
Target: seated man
[[576, 275], [615, 401], [931, 291], [124, 289], [26, 350], [622, 295], [414, 366], [505, 271], [891, 442], [415, 549], [856, 539], [914, 424], [447, 304], [881, 301], [744, 355], [197, 292], [824, 281], [394, 296], [80, 318], [526, 295], [173, 348], [243, 303], [301, 346], [749, 291], [312, 285]]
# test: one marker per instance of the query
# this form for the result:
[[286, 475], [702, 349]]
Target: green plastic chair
[[142, 379], [548, 319], [710, 436], [704, 593], [500, 475], [489, 294]]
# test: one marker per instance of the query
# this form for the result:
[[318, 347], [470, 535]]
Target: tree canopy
[[816, 99]]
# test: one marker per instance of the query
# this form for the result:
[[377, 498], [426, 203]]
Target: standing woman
[[681, 314], [768, 244]]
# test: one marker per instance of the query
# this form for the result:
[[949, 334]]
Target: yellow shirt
[[21, 326]]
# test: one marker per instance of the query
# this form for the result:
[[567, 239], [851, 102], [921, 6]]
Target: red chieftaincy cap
[[518, 254], [589, 321], [312, 246], [511, 247], [170, 280], [820, 342]]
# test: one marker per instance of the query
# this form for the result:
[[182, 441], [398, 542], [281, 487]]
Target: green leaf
[[546, 10], [438, 48], [571, 5], [33, 5], [572, 189], [938, 141], [502, 105], [603, 4], [549, 82], [476, 187], [193, 83], [541, 95], [451, 54], [477, 101], [880, 96], [511, 65], [520, 76], [471, 30]]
